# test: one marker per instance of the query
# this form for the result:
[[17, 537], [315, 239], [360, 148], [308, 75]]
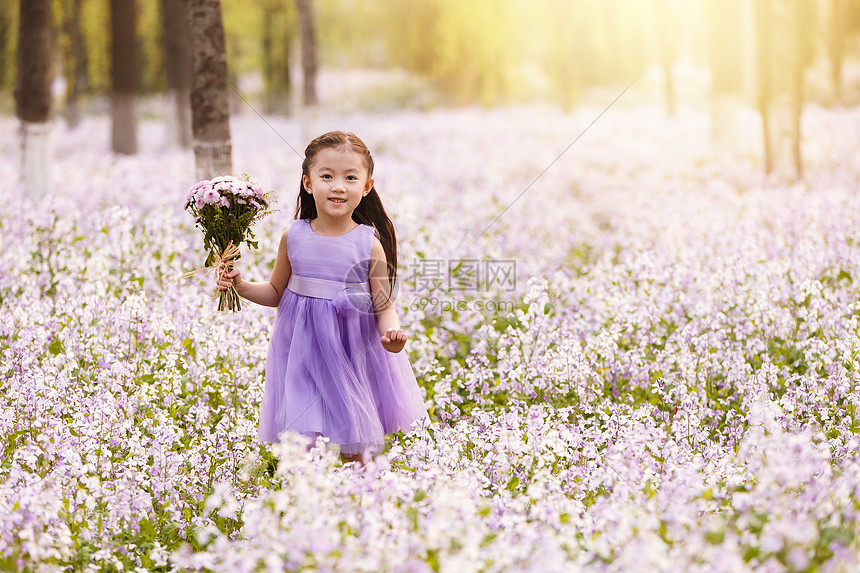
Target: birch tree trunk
[[177, 63], [124, 77], [33, 95], [210, 102]]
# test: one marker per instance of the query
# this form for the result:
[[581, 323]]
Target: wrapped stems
[[228, 299]]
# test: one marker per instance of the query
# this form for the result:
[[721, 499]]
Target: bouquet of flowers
[[224, 209]]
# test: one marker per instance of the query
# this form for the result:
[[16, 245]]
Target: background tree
[[278, 24], [309, 52], [763, 15], [667, 34], [33, 94], [567, 66], [210, 102], [177, 64], [124, 73], [74, 60], [835, 44], [724, 56], [785, 48]]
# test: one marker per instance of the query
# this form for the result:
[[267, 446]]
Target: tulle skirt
[[327, 373]]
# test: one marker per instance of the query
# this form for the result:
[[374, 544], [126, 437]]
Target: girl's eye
[[352, 178], [326, 176]]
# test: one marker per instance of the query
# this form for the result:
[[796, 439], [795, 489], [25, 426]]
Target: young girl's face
[[338, 180]]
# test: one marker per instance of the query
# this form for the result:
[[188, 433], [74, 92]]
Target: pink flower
[[196, 191], [211, 197]]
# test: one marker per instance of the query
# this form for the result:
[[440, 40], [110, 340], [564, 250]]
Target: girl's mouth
[[335, 200]]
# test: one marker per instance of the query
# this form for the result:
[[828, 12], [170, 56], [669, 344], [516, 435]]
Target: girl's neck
[[332, 227]]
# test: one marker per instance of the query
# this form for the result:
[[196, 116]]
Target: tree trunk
[[798, 65], [309, 52], [763, 16], [786, 43], [33, 94], [835, 44], [73, 62], [124, 77], [724, 51], [566, 64], [268, 58], [666, 36], [277, 40], [177, 63], [210, 102]]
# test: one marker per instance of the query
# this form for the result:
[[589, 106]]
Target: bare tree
[[177, 63], [124, 77], [309, 51], [33, 94], [210, 102]]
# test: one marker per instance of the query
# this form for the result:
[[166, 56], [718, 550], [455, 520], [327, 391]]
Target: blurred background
[[446, 52], [287, 56]]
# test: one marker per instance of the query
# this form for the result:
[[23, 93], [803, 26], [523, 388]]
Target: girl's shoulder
[[370, 229], [295, 224], [291, 231]]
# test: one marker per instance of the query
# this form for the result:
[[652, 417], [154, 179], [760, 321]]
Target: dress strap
[[322, 288]]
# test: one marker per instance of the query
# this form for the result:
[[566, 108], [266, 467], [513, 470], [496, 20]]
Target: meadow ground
[[656, 370]]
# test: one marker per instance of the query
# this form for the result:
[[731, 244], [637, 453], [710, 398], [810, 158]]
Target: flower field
[[664, 377]]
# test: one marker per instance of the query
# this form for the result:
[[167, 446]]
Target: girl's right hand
[[233, 278]]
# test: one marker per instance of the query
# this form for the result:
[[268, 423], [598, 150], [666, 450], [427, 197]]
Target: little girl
[[335, 366]]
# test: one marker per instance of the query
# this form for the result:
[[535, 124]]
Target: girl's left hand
[[393, 340]]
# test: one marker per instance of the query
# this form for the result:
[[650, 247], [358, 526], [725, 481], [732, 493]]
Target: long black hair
[[369, 211]]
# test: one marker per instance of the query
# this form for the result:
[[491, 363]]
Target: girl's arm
[[393, 338], [265, 293]]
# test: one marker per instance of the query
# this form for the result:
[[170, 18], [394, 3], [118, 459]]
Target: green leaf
[[715, 537], [56, 347]]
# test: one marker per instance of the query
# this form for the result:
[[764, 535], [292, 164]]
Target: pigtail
[[371, 212], [305, 206]]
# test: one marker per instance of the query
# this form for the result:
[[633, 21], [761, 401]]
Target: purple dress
[[327, 372]]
